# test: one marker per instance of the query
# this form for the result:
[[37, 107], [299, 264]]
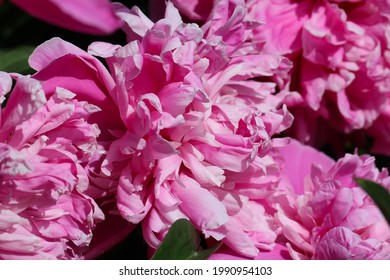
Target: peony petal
[[82, 16]]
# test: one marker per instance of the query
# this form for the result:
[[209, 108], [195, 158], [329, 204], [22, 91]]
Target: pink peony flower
[[339, 50], [323, 213], [198, 127], [340, 54], [93, 17], [45, 145]]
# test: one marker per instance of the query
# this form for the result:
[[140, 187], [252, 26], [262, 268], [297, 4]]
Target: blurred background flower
[[92, 17]]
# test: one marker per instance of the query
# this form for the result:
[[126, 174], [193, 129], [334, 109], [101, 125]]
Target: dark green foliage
[[379, 194], [182, 243]]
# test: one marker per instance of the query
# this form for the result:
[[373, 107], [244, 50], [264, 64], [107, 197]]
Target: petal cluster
[[324, 214], [45, 144], [92, 17], [339, 50], [340, 55], [198, 126]]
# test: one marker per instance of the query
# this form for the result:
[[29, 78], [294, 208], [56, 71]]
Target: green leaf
[[182, 243], [379, 194], [203, 254], [16, 60]]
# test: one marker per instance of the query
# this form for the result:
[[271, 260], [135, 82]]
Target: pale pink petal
[[204, 210]]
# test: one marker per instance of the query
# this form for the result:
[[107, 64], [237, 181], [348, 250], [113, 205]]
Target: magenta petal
[[204, 210], [94, 17], [298, 160]]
